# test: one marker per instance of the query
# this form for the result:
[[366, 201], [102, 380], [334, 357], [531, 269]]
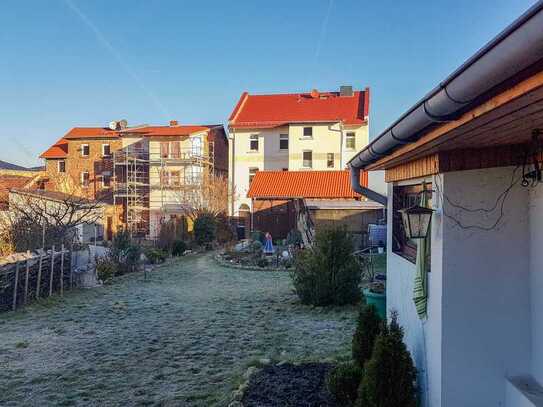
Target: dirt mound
[[289, 385]]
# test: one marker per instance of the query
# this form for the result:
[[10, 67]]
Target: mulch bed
[[289, 385]]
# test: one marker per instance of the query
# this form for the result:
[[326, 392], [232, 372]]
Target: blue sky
[[85, 63]]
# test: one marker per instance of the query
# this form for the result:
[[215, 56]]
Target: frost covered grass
[[184, 337]]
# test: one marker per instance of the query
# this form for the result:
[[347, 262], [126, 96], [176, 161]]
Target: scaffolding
[[133, 183]]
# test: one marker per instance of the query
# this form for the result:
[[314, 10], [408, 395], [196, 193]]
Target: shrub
[[105, 269], [178, 248], [124, 253], [156, 256], [256, 246], [294, 237], [258, 236], [171, 231], [343, 382], [224, 230], [262, 262], [328, 274], [368, 327], [389, 376], [205, 228]]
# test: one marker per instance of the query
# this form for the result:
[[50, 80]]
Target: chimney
[[173, 123], [314, 93], [345, 91]]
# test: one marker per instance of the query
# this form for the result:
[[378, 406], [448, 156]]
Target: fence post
[[38, 283], [72, 266], [62, 269], [15, 286], [26, 276], [52, 270]]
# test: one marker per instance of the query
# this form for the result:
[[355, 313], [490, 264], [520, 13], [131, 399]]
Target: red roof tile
[[57, 150], [90, 132], [304, 184], [7, 182], [266, 111]]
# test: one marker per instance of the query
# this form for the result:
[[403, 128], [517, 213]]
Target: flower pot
[[378, 300]]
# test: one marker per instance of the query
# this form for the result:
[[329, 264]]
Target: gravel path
[[184, 338]]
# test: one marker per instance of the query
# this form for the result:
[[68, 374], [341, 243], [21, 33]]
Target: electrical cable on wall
[[527, 179]]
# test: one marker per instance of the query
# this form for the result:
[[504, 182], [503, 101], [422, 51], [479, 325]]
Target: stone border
[[218, 258]]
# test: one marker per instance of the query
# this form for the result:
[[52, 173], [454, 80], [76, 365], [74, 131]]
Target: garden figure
[[268, 246]]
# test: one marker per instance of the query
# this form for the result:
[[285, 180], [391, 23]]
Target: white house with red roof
[[294, 132]]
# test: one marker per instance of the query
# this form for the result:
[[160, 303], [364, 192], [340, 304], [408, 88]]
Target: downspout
[[368, 193]]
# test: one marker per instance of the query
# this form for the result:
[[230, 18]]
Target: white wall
[[485, 308], [423, 338], [536, 281]]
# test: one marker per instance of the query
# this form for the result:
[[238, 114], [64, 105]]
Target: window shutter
[[175, 149], [164, 149]]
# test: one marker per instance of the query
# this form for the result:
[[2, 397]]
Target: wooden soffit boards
[[459, 160], [507, 118]]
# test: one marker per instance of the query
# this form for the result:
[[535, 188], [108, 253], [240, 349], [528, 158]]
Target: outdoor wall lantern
[[416, 221]]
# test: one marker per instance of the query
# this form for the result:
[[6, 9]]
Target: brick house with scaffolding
[[144, 175]]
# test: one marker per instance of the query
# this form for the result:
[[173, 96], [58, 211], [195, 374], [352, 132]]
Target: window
[[106, 180], [252, 173], [405, 197], [85, 179], [197, 146], [175, 149], [106, 150], [307, 156], [283, 142], [350, 143], [308, 132], [164, 149], [253, 142], [61, 166], [330, 160], [85, 150], [175, 178], [285, 169]]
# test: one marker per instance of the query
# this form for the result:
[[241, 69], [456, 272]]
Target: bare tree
[[37, 217]]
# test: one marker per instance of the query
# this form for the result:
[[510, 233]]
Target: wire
[[500, 201]]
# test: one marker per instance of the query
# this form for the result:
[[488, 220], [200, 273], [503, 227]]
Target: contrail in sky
[[128, 70], [322, 36]]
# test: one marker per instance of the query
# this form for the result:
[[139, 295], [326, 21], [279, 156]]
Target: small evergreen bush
[[294, 237], [328, 274], [178, 248], [389, 375], [256, 246], [156, 256], [257, 235], [106, 269], [205, 229], [124, 252], [368, 327], [343, 382], [262, 262]]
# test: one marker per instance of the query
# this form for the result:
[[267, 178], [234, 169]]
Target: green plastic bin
[[379, 300]]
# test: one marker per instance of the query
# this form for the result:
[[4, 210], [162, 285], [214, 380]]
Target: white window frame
[[103, 148], [303, 132], [303, 159], [252, 173], [333, 158], [83, 179], [254, 137], [104, 175], [283, 137], [83, 150], [350, 136], [58, 166]]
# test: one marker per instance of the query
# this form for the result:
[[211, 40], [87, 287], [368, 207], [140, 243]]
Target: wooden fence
[[26, 277]]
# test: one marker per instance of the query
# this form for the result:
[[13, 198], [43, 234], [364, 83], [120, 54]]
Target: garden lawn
[[183, 338]]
